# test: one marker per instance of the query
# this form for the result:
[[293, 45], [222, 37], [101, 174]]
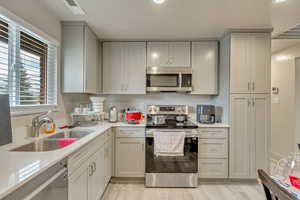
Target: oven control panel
[[168, 109]]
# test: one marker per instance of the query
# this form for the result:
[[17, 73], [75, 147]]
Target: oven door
[[173, 164]]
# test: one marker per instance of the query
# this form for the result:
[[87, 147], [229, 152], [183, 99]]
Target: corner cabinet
[[249, 133], [250, 70], [124, 67], [80, 58], [168, 54], [205, 67]]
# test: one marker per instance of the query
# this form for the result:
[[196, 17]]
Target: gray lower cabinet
[[213, 153], [90, 169], [130, 152]]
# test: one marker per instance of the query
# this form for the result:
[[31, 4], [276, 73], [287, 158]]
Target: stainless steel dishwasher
[[49, 185]]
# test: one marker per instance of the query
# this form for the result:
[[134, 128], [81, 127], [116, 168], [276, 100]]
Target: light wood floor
[[209, 191]]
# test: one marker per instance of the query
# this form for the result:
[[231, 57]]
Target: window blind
[[28, 66]]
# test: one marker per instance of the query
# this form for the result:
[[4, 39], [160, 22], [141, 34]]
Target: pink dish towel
[[63, 142]]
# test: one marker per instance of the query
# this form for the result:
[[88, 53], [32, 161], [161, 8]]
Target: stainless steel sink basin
[[53, 142], [72, 134], [39, 146]]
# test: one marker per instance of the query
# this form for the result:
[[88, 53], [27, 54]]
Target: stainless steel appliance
[[169, 79], [51, 184], [171, 171], [206, 114], [5, 123]]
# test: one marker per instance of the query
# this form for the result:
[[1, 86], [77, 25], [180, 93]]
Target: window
[[27, 66]]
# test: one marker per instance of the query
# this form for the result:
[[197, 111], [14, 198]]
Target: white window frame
[[22, 25]]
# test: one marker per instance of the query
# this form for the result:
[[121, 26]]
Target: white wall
[[43, 22], [283, 105]]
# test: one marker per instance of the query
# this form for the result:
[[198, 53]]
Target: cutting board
[[5, 121]]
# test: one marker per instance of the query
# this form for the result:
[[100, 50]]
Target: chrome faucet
[[38, 121]]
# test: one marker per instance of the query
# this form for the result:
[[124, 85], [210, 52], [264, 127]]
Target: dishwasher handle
[[44, 185]]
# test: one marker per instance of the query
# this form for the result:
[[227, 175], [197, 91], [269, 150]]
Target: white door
[[260, 132], [158, 54], [135, 67], [240, 68], [96, 184], [112, 68], [240, 136], [91, 62], [261, 63], [179, 54], [130, 157], [205, 67], [78, 184]]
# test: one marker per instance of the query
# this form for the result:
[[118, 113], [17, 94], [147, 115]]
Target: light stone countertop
[[17, 168]]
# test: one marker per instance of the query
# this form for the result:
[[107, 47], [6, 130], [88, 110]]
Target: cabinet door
[[78, 184], [260, 132], [240, 68], [73, 59], [112, 68], [179, 54], [260, 62], [157, 54], [130, 157], [205, 67], [96, 183], [107, 161], [135, 67], [240, 136], [91, 61]]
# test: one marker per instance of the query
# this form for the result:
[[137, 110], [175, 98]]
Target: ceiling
[[175, 19], [280, 44]]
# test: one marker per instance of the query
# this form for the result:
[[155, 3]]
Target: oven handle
[[44, 185], [180, 80]]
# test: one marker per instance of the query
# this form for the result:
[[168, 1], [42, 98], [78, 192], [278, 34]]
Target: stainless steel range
[[171, 171]]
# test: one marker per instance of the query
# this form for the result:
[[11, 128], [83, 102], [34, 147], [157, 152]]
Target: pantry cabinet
[[130, 152], [124, 67], [250, 68], [80, 58], [205, 61], [249, 121], [168, 54]]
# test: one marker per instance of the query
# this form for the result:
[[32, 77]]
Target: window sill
[[30, 110]]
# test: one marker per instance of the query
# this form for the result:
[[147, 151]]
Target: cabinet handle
[[90, 170], [249, 103], [253, 86], [253, 102], [248, 86], [95, 167]]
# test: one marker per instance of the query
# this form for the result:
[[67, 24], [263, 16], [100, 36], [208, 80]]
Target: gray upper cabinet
[[80, 58], [205, 67], [168, 54], [124, 68]]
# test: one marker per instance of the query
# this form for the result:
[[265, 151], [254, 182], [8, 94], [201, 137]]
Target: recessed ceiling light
[[159, 1], [279, 1]]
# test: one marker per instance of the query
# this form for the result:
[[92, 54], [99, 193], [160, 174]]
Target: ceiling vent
[[74, 7], [293, 33]]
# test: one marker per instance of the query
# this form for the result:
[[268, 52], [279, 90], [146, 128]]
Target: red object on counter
[[63, 142], [133, 117], [295, 181]]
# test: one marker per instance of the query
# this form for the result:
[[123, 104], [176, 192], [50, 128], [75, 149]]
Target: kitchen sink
[[54, 142], [72, 134]]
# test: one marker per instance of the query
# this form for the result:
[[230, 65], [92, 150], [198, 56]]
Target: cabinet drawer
[[130, 132], [212, 148], [213, 133], [213, 168]]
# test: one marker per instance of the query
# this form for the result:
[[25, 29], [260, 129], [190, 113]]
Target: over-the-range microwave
[[169, 79]]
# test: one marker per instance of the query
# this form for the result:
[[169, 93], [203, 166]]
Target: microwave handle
[[44, 185], [180, 80]]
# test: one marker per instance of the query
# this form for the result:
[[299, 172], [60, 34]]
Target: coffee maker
[[206, 114]]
